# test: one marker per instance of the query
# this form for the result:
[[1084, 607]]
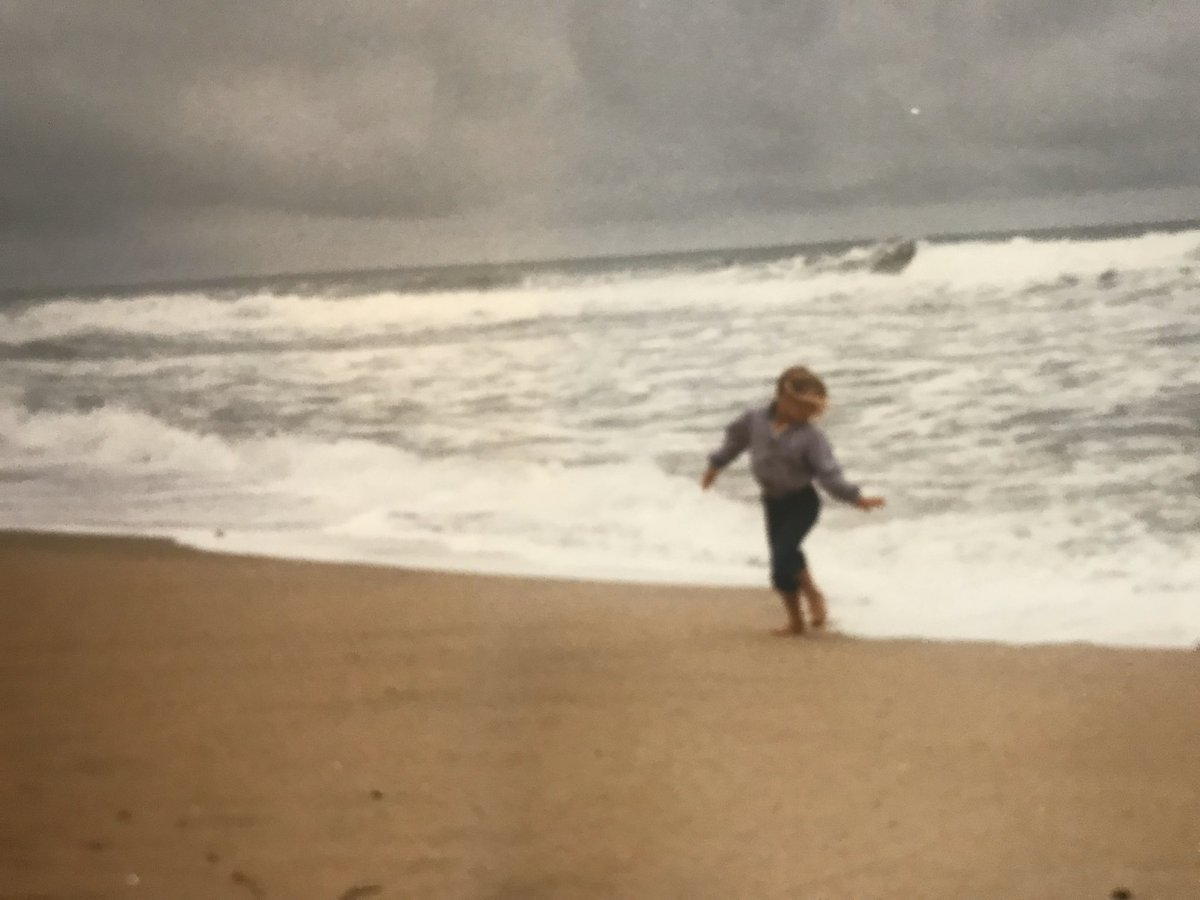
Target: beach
[[1028, 404], [181, 724]]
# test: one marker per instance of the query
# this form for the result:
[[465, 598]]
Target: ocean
[[1028, 404]]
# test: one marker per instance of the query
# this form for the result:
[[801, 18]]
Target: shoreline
[[480, 566], [211, 543], [218, 725]]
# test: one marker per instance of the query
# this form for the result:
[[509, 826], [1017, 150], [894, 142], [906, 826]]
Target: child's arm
[[829, 475], [737, 439]]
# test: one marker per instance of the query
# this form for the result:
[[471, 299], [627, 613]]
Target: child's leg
[[788, 521], [791, 603], [808, 509], [816, 599], [784, 562]]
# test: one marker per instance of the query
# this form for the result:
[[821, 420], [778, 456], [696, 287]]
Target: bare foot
[[816, 608], [791, 630], [815, 598]]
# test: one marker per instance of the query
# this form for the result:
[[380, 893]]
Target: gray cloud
[[444, 120], [1014, 100], [285, 106]]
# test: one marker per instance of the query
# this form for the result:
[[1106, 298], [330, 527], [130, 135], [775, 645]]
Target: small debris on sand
[[97, 846], [1121, 894], [361, 890], [255, 889], [376, 794], [124, 815]]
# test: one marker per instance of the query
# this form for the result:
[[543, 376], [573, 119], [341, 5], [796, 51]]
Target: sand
[[179, 725]]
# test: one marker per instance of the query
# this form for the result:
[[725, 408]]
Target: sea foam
[[1029, 408]]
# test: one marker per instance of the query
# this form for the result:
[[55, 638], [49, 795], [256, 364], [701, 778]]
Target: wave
[[984, 572], [182, 323], [964, 263], [140, 465], [1023, 261], [106, 439]]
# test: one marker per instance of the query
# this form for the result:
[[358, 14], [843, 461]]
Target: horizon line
[[36, 292]]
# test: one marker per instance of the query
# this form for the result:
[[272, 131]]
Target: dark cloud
[[446, 120], [286, 106], [795, 105]]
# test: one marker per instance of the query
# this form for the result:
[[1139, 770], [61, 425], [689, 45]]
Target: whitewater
[[1029, 407]]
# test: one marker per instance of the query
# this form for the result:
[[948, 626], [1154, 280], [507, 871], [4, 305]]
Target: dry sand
[[180, 725]]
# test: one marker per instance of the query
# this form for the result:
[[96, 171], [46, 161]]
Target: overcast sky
[[168, 138]]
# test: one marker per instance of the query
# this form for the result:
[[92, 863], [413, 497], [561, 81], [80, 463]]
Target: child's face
[[800, 408]]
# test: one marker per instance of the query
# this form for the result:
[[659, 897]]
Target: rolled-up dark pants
[[789, 519]]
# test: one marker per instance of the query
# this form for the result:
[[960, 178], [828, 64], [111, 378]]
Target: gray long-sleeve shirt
[[784, 462]]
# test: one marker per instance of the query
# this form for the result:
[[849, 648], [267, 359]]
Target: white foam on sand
[[1028, 408], [1078, 570]]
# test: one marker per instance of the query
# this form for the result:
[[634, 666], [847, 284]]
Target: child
[[787, 452]]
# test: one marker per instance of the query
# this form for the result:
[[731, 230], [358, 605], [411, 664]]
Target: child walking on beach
[[787, 453]]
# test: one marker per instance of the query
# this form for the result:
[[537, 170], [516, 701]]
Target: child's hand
[[707, 479], [870, 503]]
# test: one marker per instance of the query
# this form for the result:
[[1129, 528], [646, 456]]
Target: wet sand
[[182, 725]]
